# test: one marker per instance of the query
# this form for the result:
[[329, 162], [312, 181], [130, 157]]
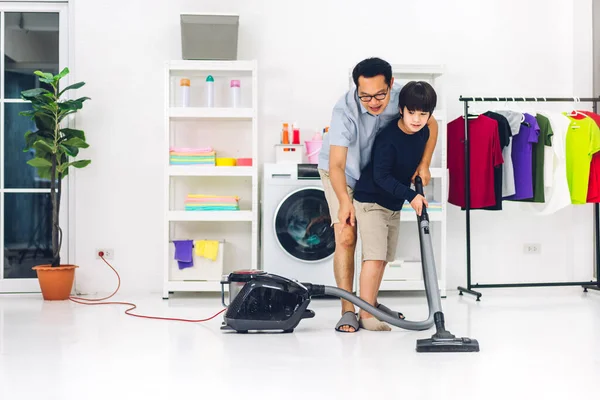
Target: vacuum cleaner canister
[[262, 301]]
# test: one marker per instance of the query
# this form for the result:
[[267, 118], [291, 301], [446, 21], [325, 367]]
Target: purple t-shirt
[[522, 147]]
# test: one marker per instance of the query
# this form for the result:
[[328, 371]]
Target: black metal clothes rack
[[593, 285]]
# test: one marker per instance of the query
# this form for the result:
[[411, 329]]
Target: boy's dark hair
[[417, 96], [371, 67]]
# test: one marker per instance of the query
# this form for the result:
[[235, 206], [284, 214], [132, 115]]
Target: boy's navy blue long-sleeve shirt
[[387, 177]]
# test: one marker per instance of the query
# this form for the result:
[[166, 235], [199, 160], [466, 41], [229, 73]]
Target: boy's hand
[[346, 215], [423, 172], [417, 204]]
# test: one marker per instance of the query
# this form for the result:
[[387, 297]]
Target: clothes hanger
[[473, 114]]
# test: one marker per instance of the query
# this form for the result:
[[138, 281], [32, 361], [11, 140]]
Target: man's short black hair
[[417, 96], [371, 67]]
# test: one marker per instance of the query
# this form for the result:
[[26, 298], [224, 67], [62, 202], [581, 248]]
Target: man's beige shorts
[[330, 196], [379, 228]]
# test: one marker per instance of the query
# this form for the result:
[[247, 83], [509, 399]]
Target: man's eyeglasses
[[378, 96]]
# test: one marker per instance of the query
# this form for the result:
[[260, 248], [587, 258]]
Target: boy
[[384, 185]]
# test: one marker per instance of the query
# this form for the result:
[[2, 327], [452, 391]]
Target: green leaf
[[62, 73], [76, 142], [39, 162], [73, 86], [30, 138], [76, 104], [44, 122], [28, 113], [71, 133], [44, 145], [62, 114], [44, 172], [80, 163], [46, 75], [76, 164], [28, 94], [70, 150]]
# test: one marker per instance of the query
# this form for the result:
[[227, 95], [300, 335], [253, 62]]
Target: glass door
[[33, 36], [303, 225]]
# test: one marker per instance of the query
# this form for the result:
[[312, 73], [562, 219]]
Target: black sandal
[[349, 318]]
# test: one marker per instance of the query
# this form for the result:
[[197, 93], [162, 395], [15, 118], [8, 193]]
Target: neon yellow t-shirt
[[583, 140]]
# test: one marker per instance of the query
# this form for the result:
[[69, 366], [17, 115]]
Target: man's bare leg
[[343, 264]]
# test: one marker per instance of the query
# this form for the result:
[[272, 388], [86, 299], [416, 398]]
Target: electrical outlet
[[108, 253], [532, 248]]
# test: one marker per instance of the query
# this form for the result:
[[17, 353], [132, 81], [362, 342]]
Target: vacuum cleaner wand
[[442, 340]]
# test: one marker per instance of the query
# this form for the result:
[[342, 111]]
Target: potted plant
[[54, 145]]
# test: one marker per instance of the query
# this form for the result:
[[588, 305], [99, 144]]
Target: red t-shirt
[[593, 194], [485, 155]]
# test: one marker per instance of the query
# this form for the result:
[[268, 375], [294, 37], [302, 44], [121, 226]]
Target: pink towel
[[211, 200], [191, 149]]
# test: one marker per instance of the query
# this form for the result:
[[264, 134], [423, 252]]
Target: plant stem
[[53, 188], [55, 250]]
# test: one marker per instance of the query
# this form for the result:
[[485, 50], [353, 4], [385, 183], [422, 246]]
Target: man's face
[[415, 120], [368, 88]]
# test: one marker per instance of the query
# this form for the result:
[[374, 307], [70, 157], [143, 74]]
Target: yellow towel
[[207, 248]]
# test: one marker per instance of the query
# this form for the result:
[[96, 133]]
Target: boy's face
[[374, 93], [415, 120]]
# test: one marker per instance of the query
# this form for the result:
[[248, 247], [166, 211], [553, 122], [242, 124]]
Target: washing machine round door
[[303, 225]]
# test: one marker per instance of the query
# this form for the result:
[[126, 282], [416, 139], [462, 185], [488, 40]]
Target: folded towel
[[213, 200], [191, 149], [212, 162], [180, 154], [183, 253], [207, 248], [212, 208], [203, 196]]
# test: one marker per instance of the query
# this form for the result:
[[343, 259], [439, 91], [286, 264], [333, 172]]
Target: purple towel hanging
[[183, 253]]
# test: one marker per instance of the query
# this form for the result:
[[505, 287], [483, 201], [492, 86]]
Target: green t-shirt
[[545, 139], [583, 140]]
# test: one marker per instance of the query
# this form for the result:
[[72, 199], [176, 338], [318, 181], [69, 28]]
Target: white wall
[[501, 47]]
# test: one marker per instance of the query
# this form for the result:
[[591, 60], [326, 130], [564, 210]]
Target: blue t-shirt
[[396, 156], [352, 126]]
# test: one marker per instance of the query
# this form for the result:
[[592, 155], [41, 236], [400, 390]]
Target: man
[[356, 119]]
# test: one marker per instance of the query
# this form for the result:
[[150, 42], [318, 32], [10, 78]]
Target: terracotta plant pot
[[56, 283]]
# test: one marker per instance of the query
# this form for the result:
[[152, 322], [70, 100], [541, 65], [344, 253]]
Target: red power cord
[[97, 302]]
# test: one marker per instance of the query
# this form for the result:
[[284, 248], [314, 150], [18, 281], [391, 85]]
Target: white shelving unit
[[405, 274], [232, 133]]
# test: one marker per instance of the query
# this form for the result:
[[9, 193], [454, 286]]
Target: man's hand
[[417, 204], [423, 172], [347, 214]]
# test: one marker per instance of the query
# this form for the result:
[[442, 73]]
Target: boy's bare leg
[[343, 264], [370, 280]]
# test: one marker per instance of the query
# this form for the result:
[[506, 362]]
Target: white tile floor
[[535, 343]]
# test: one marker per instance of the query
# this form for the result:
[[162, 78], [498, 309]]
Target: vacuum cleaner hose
[[377, 313]]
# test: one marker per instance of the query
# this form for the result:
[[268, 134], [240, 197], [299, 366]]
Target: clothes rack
[[593, 285]]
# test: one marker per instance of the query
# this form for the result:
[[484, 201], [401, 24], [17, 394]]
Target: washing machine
[[298, 240]]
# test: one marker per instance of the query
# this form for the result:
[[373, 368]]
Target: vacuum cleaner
[[260, 301]]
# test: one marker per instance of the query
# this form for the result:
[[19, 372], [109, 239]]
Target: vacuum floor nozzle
[[445, 342], [455, 345]]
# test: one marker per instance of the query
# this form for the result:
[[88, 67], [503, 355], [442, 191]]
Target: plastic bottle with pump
[[235, 93], [184, 83], [296, 133], [210, 91], [285, 134]]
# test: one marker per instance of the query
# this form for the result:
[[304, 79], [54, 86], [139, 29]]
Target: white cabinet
[[231, 132], [405, 273]]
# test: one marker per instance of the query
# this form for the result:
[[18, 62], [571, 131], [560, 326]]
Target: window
[[33, 37]]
